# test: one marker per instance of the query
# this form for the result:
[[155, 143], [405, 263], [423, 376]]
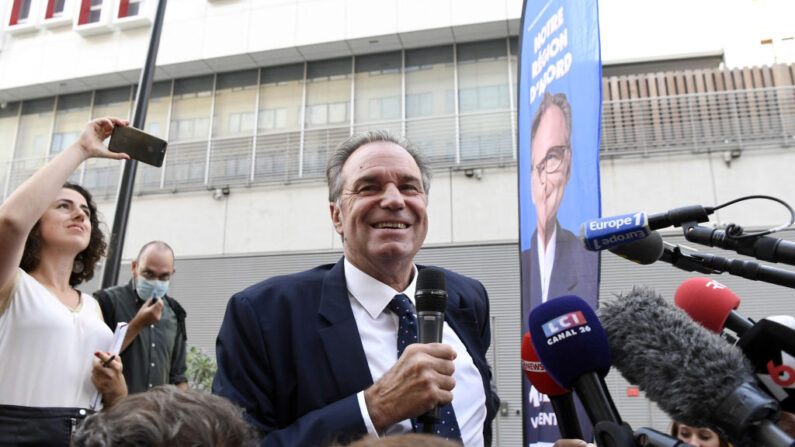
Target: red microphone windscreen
[[535, 371], [706, 301]]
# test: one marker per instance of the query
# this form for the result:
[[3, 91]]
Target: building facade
[[252, 95]]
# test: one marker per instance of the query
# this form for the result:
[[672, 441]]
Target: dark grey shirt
[[157, 355]]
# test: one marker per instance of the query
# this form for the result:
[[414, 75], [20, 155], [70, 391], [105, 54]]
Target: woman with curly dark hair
[[86, 260], [697, 436], [53, 337]]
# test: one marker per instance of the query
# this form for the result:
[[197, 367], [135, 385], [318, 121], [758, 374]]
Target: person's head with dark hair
[[71, 199], [550, 153], [697, 436], [167, 416]]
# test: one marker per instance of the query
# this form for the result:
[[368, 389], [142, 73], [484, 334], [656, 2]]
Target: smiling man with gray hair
[[316, 357]]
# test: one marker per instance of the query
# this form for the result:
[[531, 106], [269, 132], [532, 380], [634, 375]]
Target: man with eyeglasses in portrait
[[556, 264]]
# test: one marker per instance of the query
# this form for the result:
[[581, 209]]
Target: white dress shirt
[[378, 331], [546, 259]]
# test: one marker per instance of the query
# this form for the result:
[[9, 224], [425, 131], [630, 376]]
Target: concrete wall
[[201, 36]]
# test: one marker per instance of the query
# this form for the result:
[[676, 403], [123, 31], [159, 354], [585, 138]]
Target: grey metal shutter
[[204, 285]]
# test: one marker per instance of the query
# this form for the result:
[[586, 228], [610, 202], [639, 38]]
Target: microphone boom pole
[[764, 248], [110, 274]]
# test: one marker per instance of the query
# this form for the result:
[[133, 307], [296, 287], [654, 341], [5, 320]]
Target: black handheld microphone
[[691, 373], [431, 300]]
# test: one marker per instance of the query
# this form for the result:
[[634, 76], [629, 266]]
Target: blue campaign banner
[[560, 101]]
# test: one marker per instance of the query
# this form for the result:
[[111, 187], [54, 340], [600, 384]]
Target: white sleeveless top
[[46, 349]]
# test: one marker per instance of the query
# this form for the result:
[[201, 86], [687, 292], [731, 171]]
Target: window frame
[[48, 20], [144, 17], [83, 13], [29, 24]]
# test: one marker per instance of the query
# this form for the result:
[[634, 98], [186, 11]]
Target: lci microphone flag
[[560, 103]]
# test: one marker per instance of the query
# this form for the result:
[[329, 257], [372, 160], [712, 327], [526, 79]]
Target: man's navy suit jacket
[[575, 272], [289, 354]]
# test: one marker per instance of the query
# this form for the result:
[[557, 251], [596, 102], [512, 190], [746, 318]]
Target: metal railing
[[695, 123], [700, 122]]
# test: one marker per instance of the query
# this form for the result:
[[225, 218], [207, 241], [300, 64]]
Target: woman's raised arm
[[23, 208]]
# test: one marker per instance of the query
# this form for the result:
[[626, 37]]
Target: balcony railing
[[699, 122], [694, 123]]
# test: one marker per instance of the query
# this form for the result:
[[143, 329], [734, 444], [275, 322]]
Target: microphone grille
[[431, 278], [431, 294]]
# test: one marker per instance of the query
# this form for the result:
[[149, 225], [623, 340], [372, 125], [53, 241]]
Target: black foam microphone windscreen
[[643, 251], [691, 373]]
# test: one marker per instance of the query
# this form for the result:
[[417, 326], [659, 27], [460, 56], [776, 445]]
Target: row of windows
[[86, 16], [280, 122], [378, 88]]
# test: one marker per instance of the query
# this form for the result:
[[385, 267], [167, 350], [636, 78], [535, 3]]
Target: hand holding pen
[[107, 377]]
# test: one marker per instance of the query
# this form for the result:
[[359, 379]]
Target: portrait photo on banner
[[559, 122]]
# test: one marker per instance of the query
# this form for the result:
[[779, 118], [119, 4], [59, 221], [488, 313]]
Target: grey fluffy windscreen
[[681, 366]]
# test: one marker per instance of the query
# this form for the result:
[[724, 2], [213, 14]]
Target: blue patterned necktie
[[407, 334]]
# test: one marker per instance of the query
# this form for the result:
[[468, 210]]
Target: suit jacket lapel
[[343, 347], [461, 319], [534, 284], [564, 279]]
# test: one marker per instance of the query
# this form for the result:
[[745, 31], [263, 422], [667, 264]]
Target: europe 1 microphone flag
[[606, 232]]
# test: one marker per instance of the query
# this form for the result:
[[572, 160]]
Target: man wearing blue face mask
[[153, 352]]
